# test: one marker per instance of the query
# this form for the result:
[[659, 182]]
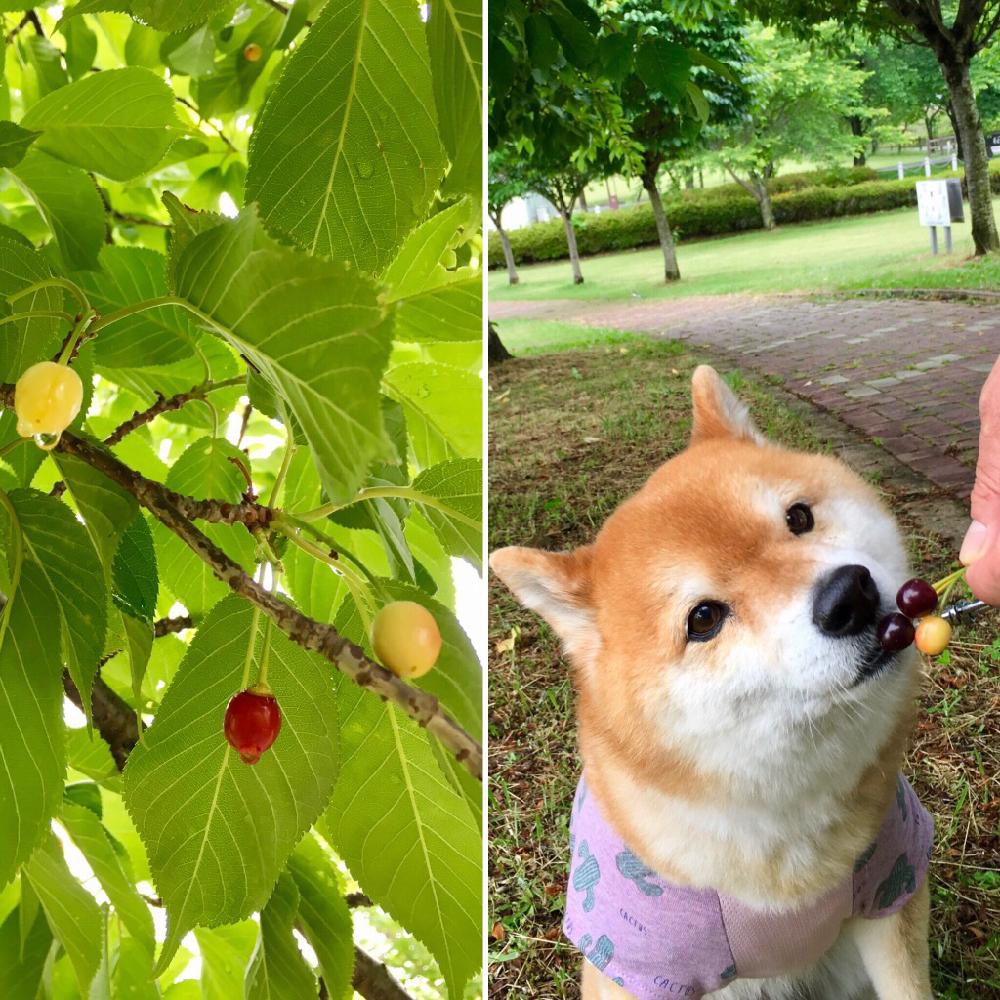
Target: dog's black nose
[[845, 601]]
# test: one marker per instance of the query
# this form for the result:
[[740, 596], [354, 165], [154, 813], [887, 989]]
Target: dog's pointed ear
[[556, 585], [717, 412]]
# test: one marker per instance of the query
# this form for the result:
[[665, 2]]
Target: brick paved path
[[905, 372]]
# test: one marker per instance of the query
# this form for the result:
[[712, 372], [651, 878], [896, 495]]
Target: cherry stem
[[946, 584], [79, 329], [64, 283]]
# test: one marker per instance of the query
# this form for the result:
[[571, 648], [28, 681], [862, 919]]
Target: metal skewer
[[963, 609]]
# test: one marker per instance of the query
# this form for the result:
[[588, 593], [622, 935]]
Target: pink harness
[[660, 940]]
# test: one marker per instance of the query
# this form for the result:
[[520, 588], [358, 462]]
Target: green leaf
[[663, 66], [81, 46], [139, 645], [407, 836], [442, 406], [56, 542], [204, 471], [168, 15], [225, 953], [155, 337], [14, 143], [277, 970], [70, 204], [325, 916], [345, 155], [72, 913], [294, 23], [87, 753], [45, 60], [93, 841], [21, 967], [117, 123], [31, 728], [457, 486], [455, 41], [26, 341], [134, 573], [420, 263], [453, 312], [316, 331], [105, 507], [217, 831]]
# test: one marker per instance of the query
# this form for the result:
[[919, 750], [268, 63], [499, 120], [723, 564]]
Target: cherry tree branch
[[168, 626], [114, 718], [164, 405], [373, 980]]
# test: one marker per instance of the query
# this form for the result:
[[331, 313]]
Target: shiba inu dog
[[741, 829]]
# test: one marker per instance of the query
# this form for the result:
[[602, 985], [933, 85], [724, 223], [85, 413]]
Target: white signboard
[[932, 203]]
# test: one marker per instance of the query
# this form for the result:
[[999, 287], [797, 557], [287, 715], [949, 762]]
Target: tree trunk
[[583, 201], [508, 256], [763, 196], [495, 349], [970, 133], [671, 272], [929, 125], [857, 129], [574, 254], [959, 148]]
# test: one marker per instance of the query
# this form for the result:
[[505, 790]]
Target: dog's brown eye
[[799, 518], [705, 620]]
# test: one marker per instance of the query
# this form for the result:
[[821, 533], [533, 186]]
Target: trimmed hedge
[[698, 214]]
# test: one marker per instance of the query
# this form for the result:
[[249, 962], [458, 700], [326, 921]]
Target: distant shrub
[[717, 211]]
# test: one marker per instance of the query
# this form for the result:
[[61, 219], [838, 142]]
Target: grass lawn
[[571, 434], [885, 250]]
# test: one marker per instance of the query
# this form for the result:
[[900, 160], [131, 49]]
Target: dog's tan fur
[[711, 520]]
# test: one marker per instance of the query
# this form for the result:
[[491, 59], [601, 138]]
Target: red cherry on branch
[[253, 721], [895, 632]]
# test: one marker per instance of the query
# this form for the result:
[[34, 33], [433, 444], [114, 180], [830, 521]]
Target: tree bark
[[508, 256], [583, 201], [763, 196], [969, 131], [857, 129], [566, 214], [671, 272], [495, 349]]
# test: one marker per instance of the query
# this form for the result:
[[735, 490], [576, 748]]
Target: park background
[[754, 153]]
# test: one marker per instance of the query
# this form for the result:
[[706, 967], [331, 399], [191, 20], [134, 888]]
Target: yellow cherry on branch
[[406, 638], [253, 52], [47, 399], [932, 635]]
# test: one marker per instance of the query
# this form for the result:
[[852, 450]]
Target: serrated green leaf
[[452, 312], [88, 833], [315, 330], [29, 340], [81, 46], [117, 123], [420, 263], [406, 834], [225, 953], [72, 913], [87, 753], [105, 507], [345, 155], [45, 61], [218, 831], [325, 917], [31, 743], [277, 970], [168, 15], [139, 646], [456, 516], [209, 469], [70, 204], [56, 542], [443, 408], [294, 23], [134, 572], [21, 966], [154, 337], [455, 41], [14, 143]]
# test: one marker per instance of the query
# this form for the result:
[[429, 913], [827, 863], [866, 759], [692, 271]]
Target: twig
[[137, 220], [169, 626], [356, 899], [113, 716], [204, 121], [31, 18], [165, 405], [176, 512], [373, 980]]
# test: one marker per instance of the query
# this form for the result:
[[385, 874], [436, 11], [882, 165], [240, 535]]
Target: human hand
[[981, 547]]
